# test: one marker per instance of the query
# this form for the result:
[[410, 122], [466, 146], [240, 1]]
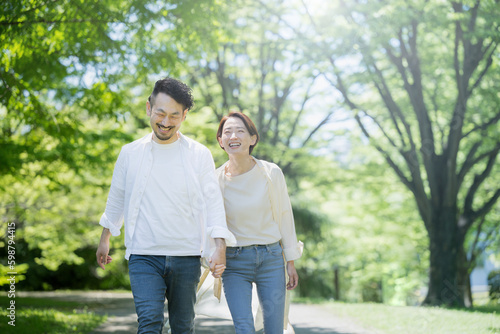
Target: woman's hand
[[218, 259], [293, 277]]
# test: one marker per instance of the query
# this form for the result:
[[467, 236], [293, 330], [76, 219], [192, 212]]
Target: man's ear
[[148, 108], [184, 115]]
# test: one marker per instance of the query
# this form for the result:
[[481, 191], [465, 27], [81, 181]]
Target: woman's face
[[235, 138]]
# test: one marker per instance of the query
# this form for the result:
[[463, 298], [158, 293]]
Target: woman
[[259, 214]]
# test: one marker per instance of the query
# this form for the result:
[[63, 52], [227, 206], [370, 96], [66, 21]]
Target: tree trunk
[[464, 277], [445, 245]]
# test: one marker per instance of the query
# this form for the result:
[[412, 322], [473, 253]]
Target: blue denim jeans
[[154, 278], [264, 266]]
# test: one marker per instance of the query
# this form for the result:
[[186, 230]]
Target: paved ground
[[306, 319]]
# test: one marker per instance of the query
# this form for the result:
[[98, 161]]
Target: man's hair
[[174, 88], [252, 129]]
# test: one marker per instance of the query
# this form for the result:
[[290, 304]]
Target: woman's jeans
[[263, 265], [154, 278]]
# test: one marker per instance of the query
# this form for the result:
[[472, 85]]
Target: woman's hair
[[252, 129], [174, 88]]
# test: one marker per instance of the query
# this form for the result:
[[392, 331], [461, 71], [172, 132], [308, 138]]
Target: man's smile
[[164, 128]]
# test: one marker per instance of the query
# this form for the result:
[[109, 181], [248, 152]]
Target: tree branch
[[415, 187], [381, 128], [394, 110], [485, 125], [469, 163], [307, 96], [279, 102], [409, 184], [475, 242], [323, 122], [486, 241], [488, 205], [478, 180], [489, 62], [415, 93]]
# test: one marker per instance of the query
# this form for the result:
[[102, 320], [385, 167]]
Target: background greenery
[[359, 103]]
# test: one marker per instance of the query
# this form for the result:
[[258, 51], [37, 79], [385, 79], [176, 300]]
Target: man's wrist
[[105, 235]]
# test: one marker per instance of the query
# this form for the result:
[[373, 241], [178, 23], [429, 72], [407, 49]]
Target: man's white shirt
[[130, 187]]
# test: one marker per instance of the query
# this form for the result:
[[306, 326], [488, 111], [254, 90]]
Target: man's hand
[[102, 253], [218, 259], [293, 277]]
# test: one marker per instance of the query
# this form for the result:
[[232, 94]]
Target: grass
[[37, 315], [420, 320]]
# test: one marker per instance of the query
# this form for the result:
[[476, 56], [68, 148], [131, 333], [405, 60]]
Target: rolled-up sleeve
[[291, 247], [112, 218]]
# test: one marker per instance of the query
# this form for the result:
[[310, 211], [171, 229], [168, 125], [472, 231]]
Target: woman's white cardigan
[[280, 204]]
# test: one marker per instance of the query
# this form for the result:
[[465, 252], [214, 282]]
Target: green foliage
[[384, 248], [49, 317], [494, 283], [10, 275], [418, 320]]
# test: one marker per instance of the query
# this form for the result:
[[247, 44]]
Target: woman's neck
[[238, 165]]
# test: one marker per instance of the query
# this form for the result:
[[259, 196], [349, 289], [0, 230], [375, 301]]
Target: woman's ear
[[219, 139]]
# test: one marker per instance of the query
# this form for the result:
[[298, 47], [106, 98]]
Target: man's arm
[[102, 253], [218, 258], [216, 225]]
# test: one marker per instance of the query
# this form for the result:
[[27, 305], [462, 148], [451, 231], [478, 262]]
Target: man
[[165, 188]]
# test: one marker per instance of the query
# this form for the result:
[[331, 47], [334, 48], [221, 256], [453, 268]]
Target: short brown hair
[[252, 129]]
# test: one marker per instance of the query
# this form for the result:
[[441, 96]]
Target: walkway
[[119, 306]]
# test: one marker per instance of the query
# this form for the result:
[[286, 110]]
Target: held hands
[[218, 263], [293, 277], [218, 259], [218, 270]]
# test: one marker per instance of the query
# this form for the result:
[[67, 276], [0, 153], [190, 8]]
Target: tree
[[255, 71], [422, 79]]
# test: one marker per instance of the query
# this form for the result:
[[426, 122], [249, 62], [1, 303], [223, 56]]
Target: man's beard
[[163, 137]]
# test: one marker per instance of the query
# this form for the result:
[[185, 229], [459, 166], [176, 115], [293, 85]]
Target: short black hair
[[174, 88]]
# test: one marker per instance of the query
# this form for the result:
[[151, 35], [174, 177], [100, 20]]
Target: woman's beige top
[[279, 201], [248, 209]]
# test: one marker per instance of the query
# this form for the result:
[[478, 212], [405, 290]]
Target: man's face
[[165, 117]]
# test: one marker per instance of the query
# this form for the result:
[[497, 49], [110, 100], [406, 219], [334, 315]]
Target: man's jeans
[[154, 278], [263, 265]]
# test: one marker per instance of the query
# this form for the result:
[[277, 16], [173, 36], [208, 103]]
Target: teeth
[[234, 144]]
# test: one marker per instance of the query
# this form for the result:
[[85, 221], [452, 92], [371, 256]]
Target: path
[[122, 319]]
